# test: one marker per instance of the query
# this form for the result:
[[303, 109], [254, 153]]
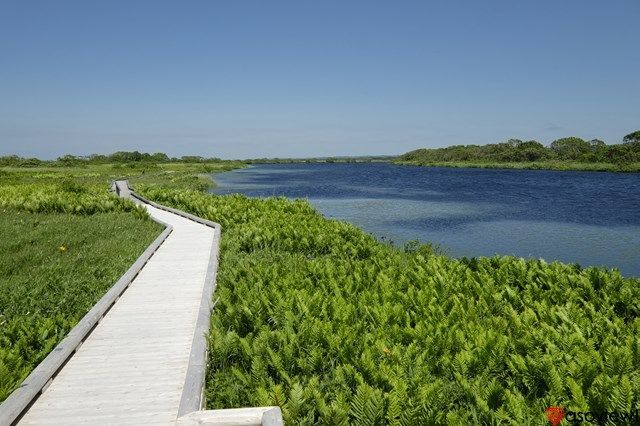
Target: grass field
[[54, 268]]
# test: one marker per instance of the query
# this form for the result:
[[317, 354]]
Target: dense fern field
[[319, 318]]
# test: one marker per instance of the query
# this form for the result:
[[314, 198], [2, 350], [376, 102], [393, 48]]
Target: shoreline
[[555, 166]]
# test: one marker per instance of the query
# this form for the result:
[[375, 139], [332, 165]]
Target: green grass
[[54, 268], [319, 318]]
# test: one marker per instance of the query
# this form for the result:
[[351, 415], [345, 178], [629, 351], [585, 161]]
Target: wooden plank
[[193, 394], [253, 416]]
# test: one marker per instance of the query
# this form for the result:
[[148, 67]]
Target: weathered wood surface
[[133, 367], [252, 416]]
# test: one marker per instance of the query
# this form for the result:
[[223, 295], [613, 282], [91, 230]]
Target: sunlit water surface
[[585, 217]]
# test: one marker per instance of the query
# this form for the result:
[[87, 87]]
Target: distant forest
[[142, 158], [571, 149], [120, 157]]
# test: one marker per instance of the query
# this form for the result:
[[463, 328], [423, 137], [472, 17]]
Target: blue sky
[[240, 79]]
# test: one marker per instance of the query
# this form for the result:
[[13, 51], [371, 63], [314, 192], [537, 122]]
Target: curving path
[[133, 367]]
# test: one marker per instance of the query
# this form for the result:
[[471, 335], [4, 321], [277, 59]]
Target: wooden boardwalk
[[133, 367]]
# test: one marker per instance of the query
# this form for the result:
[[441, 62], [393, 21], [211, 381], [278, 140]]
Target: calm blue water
[[584, 217]]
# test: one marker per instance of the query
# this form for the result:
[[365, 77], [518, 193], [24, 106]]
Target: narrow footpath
[[133, 366]]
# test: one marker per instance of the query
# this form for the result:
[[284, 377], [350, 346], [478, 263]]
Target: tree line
[[570, 149], [120, 157]]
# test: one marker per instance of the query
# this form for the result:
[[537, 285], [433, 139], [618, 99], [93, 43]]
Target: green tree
[[598, 150], [531, 151], [619, 154], [126, 156], [98, 158], [571, 148], [69, 160], [192, 159], [160, 157], [633, 137], [10, 160]]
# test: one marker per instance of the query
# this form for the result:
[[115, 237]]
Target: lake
[[588, 218]]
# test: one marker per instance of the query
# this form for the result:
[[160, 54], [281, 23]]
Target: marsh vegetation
[[318, 317]]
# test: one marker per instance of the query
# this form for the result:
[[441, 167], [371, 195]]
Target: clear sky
[[239, 79]]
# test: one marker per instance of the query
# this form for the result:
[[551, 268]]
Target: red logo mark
[[555, 415]]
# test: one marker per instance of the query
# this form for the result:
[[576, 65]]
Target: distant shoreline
[[569, 153], [358, 159], [537, 165]]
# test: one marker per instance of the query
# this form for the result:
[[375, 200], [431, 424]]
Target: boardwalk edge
[[18, 402]]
